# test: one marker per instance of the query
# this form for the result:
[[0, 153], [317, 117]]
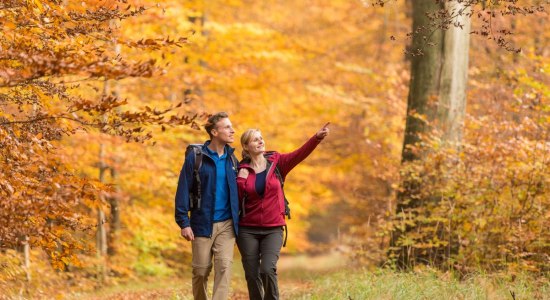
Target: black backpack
[[195, 190]]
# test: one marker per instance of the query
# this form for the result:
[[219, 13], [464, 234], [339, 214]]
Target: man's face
[[223, 131]]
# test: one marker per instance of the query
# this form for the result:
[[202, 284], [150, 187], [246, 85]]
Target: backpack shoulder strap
[[195, 199], [234, 162], [279, 176], [198, 158], [277, 171], [282, 182]]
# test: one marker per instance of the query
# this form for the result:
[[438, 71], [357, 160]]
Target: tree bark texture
[[101, 235], [437, 97], [437, 89]]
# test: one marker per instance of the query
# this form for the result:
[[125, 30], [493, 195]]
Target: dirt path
[[296, 276]]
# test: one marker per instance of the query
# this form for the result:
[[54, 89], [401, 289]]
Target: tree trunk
[[27, 255], [114, 227], [114, 201], [454, 75], [437, 97], [101, 236]]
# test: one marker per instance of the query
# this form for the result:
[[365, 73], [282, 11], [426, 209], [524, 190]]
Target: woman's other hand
[[323, 132], [243, 173]]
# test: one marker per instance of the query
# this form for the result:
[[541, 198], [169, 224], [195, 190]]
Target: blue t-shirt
[[222, 210]]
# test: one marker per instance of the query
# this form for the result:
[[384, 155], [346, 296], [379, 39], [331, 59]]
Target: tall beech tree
[[436, 110], [437, 89]]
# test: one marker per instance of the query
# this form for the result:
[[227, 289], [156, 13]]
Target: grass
[[428, 284], [362, 284], [330, 277]]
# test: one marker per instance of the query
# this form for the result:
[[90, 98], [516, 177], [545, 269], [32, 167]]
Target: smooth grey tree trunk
[[101, 234], [437, 89], [114, 201], [454, 75], [437, 94], [115, 223]]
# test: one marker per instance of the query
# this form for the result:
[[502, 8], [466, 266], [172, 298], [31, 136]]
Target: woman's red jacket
[[269, 211]]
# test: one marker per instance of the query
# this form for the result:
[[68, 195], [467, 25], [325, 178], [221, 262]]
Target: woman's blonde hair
[[246, 138]]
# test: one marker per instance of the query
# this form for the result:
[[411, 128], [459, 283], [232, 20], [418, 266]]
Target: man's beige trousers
[[220, 246]]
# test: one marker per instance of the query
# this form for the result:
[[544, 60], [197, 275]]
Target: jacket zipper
[[214, 200], [266, 181], [267, 175]]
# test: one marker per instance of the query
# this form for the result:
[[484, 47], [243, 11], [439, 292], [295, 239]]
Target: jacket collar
[[245, 163], [228, 149]]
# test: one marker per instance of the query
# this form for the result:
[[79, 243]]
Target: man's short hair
[[212, 120]]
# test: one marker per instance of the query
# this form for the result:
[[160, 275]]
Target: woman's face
[[256, 144]]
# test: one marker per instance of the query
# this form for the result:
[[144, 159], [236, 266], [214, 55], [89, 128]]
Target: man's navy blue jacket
[[202, 219]]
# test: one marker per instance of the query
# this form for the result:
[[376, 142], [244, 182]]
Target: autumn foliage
[[51, 52], [79, 80]]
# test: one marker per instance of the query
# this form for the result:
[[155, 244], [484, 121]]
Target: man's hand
[[187, 233]]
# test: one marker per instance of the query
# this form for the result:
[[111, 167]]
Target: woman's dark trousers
[[260, 248]]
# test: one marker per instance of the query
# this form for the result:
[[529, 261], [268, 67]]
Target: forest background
[[100, 98]]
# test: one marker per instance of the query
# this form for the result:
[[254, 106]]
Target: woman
[[263, 209]]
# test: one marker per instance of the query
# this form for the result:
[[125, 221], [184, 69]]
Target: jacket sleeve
[[182, 193], [288, 161]]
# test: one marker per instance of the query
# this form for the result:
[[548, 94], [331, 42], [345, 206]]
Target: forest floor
[[297, 276], [332, 276]]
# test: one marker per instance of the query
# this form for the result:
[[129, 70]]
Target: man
[[212, 226]]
